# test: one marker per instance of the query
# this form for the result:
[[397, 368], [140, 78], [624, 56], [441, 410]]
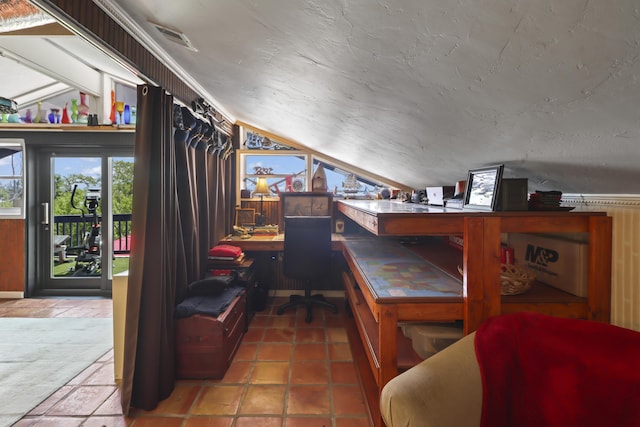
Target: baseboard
[[11, 294]]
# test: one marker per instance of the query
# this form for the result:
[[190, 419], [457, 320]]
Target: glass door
[[85, 226]]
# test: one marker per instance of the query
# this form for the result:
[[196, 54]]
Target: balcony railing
[[76, 227]]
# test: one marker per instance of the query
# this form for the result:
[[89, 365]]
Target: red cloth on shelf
[[539, 370], [225, 251]]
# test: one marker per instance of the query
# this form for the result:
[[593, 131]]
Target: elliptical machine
[[89, 254]]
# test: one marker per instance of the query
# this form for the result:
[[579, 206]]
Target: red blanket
[[545, 371], [225, 251]]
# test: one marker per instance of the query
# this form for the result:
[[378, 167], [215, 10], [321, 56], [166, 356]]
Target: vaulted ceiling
[[420, 91]]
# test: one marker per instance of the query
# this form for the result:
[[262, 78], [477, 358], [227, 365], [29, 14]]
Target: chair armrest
[[444, 390]]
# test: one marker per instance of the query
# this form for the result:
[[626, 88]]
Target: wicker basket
[[515, 280]]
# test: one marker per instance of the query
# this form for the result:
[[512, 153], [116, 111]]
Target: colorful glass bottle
[[65, 115], [74, 111], [112, 116], [83, 109]]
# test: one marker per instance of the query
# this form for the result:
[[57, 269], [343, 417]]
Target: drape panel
[[148, 365], [181, 207]]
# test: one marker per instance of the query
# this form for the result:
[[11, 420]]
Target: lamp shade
[[262, 188]]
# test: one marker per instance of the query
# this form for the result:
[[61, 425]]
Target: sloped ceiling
[[421, 91], [40, 58]]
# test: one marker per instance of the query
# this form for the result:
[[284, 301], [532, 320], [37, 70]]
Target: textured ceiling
[[421, 91]]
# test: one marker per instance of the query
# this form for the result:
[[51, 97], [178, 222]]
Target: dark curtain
[[181, 207], [148, 365]]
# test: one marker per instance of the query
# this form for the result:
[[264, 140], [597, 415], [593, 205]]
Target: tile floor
[[286, 373]]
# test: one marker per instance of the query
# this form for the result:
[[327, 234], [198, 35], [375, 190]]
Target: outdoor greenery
[[10, 190], [60, 269], [121, 195]]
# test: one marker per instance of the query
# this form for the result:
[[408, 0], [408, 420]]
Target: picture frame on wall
[[245, 217], [482, 188]]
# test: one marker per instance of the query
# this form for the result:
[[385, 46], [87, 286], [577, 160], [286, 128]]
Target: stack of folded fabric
[[226, 254], [545, 200]]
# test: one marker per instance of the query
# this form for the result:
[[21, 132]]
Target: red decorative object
[[65, 115], [112, 116]]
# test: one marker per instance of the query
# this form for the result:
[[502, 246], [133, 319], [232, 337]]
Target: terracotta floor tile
[[58, 421], [158, 421], [263, 400], [246, 351], [335, 320], [49, 402], [180, 401], [274, 351], [315, 335], [238, 373], [101, 376], [348, 400], [310, 351], [218, 400], [260, 321], [281, 321], [309, 399], [259, 422], [208, 422], [90, 370], [270, 373], [344, 373], [111, 406], [353, 422], [317, 317], [83, 400], [314, 372], [340, 351], [105, 421], [279, 335], [307, 422], [337, 335], [254, 334]]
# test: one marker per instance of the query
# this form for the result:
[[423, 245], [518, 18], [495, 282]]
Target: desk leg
[[388, 339]]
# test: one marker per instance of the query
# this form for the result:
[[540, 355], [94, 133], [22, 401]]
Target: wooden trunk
[[206, 345]]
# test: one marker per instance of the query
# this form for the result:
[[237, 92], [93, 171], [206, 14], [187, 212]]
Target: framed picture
[[481, 191], [245, 216], [306, 204]]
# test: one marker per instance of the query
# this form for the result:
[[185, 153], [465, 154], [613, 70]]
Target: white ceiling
[[421, 91]]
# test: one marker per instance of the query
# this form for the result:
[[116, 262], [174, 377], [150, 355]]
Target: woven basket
[[515, 280]]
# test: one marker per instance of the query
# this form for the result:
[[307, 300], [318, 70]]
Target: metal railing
[[76, 227]]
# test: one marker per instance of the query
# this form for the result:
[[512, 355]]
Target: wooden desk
[[377, 310], [272, 243]]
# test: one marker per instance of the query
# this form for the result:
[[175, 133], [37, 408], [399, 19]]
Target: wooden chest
[[206, 345]]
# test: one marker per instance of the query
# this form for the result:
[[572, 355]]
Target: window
[[344, 183], [12, 201], [290, 170]]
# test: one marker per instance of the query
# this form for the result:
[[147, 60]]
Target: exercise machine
[[89, 253]]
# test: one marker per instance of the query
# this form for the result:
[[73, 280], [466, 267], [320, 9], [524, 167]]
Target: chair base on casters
[[308, 300]]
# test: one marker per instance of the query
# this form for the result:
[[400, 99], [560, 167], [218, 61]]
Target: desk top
[[272, 243], [394, 272]]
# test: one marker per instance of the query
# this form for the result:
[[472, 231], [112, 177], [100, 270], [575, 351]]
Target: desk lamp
[[262, 189]]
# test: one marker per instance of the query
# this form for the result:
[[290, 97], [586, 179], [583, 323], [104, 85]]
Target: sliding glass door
[[84, 234]]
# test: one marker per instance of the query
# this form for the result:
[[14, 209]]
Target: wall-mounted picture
[[245, 217], [482, 188]]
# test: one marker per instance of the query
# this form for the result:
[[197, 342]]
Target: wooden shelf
[[67, 127]]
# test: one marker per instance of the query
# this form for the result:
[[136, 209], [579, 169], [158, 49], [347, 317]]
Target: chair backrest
[[307, 246]]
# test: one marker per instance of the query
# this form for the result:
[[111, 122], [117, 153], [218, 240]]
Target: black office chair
[[307, 256]]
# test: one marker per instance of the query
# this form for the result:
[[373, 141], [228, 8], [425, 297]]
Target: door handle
[[45, 213]]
